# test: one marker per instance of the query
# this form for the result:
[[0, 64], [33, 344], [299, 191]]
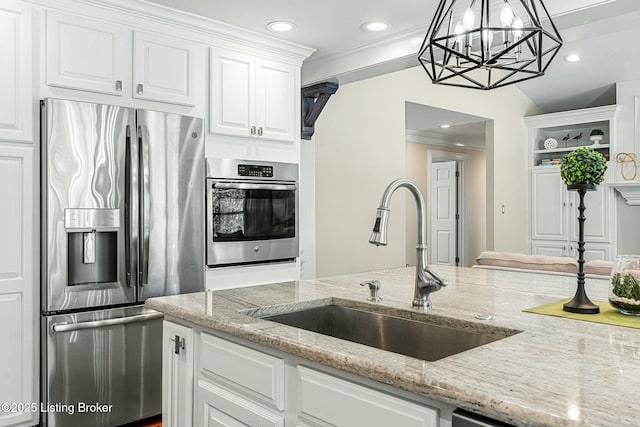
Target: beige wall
[[418, 170], [360, 148]]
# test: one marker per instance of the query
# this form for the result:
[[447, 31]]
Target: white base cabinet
[[177, 375], [18, 324], [554, 223], [326, 400], [237, 383]]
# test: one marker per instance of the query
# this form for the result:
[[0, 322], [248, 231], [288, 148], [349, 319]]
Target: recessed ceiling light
[[459, 144], [280, 26], [572, 58], [445, 126], [375, 26]]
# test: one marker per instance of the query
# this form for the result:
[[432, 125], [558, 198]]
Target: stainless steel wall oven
[[252, 212]]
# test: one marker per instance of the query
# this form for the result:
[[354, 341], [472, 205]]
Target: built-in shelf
[[569, 149], [629, 190]]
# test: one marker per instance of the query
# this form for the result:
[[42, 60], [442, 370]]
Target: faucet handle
[[374, 289]]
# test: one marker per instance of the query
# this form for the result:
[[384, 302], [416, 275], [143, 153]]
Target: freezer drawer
[[103, 368]]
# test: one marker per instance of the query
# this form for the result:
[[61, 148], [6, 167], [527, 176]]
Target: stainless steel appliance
[[252, 212], [122, 221]]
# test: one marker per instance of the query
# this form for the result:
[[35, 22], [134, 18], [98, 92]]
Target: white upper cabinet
[[87, 54], [232, 93], [16, 114], [252, 97], [97, 56], [163, 69], [275, 113]]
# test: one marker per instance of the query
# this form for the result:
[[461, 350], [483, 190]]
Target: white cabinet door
[[550, 248], [177, 375], [593, 251], [18, 326], [87, 54], [163, 69], [217, 407], [548, 214], [330, 401], [275, 108], [16, 112], [598, 204], [232, 93]]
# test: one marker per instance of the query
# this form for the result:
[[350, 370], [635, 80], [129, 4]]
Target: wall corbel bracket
[[314, 98]]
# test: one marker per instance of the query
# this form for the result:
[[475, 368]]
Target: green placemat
[[608, 314]]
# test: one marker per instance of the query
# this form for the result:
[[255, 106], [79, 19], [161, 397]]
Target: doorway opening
[[446, 158]]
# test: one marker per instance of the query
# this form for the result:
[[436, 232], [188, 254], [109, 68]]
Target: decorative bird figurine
[[566, 138], [578, 137]]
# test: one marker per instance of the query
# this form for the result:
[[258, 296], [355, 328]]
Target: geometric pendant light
[[485, 44]]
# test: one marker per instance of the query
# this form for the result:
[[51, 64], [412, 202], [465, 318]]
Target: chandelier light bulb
[[506, 15], [517, 27], [458, 30], [468, 19]]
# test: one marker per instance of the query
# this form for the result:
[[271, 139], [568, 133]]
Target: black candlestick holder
[[581, 302]]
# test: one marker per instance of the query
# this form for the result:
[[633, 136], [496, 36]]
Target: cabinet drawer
[[257, 373], [327, 400], [219, 407]]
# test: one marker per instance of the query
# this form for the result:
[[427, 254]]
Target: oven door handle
[[67, 327], [253, 186]]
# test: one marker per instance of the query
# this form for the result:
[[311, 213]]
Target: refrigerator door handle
[[131, 208], [143, 147], [67, 327]]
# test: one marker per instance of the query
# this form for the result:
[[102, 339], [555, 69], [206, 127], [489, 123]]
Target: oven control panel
[[255, 171]]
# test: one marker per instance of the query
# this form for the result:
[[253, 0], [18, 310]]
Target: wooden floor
[[149, 422]]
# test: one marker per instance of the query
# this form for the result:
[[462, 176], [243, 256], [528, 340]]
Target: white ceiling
[[604, 32]]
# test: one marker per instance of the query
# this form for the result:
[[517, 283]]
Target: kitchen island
[[555, 372]]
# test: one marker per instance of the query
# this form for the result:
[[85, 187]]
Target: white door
[[87, 54], [177, 375], [163, 69], [549, 202], [18, 325], [232, 93], [275, 98], [443, 213], [15, 72]]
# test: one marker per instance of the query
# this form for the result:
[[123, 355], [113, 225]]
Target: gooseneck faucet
[[426, 280]]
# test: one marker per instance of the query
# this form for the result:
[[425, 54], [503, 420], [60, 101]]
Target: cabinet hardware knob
[[140, 89], [178, 344], [259, 131], [253, 130], [119, 85]]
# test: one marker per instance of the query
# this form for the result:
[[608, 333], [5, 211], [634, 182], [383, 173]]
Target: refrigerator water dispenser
[[92, 246]]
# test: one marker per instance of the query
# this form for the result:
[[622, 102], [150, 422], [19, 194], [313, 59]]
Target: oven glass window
[[240, 215]]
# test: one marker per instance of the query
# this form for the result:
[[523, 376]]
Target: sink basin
[[415, 338]]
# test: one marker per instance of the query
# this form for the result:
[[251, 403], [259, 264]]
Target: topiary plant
[[596, 132], [583, 166]]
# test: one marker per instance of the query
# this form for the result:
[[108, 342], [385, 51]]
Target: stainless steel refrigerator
[[122, 221]]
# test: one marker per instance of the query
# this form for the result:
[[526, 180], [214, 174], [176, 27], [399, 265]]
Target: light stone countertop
[[557, 372]]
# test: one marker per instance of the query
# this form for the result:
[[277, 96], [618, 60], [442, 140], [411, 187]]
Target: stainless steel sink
[[414, 338]]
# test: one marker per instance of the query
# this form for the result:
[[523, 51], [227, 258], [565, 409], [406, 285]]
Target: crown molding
[[585, 115], [398, 52], [200, 27]]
